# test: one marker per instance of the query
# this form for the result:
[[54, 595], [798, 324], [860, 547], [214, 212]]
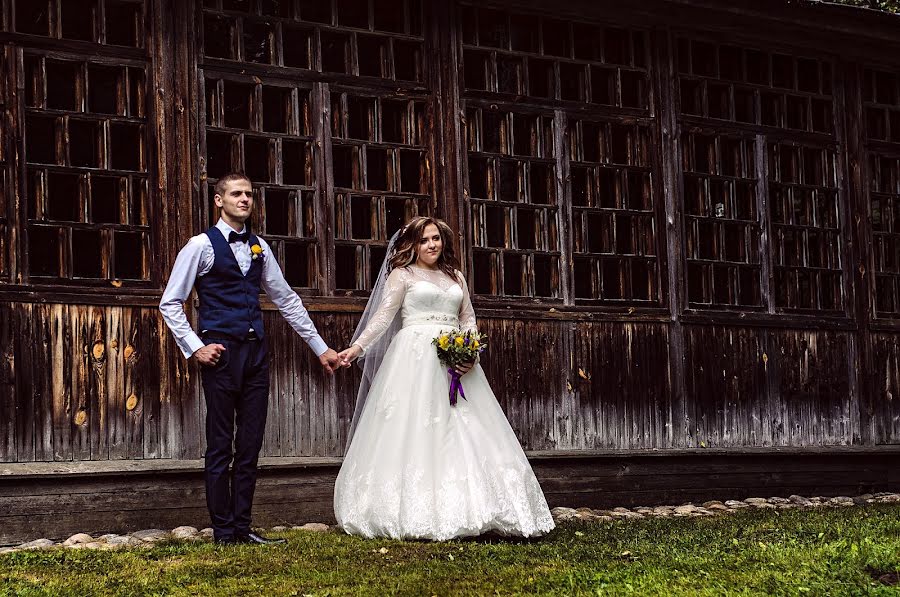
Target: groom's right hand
[[209, 355]]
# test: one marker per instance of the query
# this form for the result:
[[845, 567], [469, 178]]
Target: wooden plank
[[25, 381], [278, 370], [346, 383], [41, 350], [98, 401], [79, 415], [8, 371], [150, 383], [303, 399], [172, 434], [318, 388], [58, 366], [886, 387], [134, 407], [115, 385], [680, 425], [332, 432]]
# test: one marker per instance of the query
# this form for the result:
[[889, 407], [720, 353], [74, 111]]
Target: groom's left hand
[[330, 360]]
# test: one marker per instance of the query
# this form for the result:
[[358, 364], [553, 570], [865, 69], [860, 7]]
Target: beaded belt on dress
[[433, 319]]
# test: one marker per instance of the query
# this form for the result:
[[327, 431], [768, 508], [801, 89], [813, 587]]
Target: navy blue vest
[[229, 300]]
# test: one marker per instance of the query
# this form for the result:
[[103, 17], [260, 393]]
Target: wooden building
[[677, 216]]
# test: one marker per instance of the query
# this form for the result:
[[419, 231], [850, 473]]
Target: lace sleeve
[[466, 311], [394, 293]]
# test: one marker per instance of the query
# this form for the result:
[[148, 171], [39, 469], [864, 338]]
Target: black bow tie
[[234, 237]]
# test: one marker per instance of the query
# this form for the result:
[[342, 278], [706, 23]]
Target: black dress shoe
[[257, 539]]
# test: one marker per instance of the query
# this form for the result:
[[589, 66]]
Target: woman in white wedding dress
[[417, 467]]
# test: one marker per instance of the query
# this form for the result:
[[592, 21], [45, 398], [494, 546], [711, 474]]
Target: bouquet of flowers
[[456, 347]]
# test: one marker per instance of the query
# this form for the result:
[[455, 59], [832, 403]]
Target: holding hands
[[348, 355], [331, 361]]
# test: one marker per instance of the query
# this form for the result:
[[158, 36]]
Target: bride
[[417, 467]]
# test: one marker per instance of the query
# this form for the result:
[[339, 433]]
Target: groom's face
[[236, 201]]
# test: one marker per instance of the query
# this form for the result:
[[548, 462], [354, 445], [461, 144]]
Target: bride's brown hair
[[405, 247]]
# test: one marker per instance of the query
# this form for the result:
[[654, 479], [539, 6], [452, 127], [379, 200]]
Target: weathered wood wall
[[581, 359]]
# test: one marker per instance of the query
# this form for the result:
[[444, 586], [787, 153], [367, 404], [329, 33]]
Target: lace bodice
[[420, 295]]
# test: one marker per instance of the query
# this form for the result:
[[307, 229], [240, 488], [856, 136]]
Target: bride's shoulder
[[399, 274]]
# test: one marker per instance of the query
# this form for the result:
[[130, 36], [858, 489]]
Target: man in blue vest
[[228, 265]]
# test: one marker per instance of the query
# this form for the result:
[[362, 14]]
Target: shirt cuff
[[317, 345], [190, 344]]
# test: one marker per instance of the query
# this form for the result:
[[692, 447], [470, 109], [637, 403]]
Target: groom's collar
[[226, 229]]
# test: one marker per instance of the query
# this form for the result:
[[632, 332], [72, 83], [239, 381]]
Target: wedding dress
[[416, 466]]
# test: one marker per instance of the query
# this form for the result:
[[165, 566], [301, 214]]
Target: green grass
[[796, 552]]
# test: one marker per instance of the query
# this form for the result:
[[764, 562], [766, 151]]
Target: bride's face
[[430, 246]]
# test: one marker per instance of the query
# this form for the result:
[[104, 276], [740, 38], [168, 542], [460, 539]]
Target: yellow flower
[[475, 344], [444, 341], [459, 340]]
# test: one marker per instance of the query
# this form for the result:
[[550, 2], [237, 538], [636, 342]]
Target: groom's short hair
[[230, 177]]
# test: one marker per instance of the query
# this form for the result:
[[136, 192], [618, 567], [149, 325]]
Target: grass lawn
[[846, 551]]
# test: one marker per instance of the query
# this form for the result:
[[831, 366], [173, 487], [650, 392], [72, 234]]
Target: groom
[[228, 265]]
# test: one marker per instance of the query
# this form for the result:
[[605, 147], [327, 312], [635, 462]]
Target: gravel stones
[[147, 538]]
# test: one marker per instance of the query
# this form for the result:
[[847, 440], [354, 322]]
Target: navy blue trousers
[[237, 396]]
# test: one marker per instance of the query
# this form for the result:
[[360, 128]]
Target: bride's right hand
[[348, 355]]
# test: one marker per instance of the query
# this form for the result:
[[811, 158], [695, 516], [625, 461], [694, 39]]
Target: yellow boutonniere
[[256, 251]]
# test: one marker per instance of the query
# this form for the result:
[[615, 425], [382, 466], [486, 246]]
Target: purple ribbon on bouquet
[[455, 386]]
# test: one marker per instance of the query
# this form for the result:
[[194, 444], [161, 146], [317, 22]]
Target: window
[[881, 102], [108, 22], [381, 178], [721, 220], [613, 212], [336, 171], [584, 82], [806, 241], [352, 37], [735, 104], [539, 57], [86, 185], [744, 85], [265, 130], [514, 202]]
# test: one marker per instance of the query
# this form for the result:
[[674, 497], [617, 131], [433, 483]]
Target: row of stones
[[149, 537], [714, 507], [146, 538]]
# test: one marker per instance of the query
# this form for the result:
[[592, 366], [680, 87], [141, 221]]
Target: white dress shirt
[[196, 259]]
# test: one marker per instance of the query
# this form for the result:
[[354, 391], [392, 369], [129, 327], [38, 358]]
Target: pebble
[[718, 507], [78, 539], [685, 509], [184, 532], [315, 527], [151, 535], [37, 544], [146, 538]]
